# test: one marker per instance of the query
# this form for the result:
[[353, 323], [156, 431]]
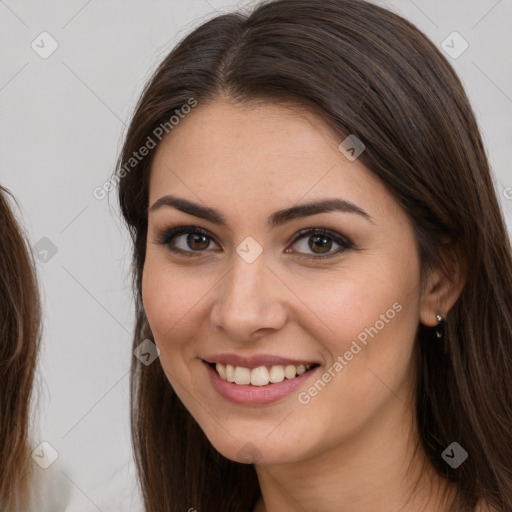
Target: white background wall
[[60, 129]]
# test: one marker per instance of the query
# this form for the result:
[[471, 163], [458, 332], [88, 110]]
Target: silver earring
[[440, 327]]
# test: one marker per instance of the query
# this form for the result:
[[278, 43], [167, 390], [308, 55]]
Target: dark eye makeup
[[196, 235]]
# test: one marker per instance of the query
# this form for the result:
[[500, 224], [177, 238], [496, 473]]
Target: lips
[[257, 380]]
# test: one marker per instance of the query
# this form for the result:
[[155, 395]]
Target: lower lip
[[256, 395]]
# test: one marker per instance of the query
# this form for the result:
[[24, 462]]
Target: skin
[[351, 447]]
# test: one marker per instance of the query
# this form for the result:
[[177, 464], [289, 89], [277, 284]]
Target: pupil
[[323, 241]]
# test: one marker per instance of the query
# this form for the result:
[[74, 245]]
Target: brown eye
[[318, 243], [186, 240], [197, 242], [322, 243]]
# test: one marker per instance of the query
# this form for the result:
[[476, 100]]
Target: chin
[[251, 444], [257, 451]]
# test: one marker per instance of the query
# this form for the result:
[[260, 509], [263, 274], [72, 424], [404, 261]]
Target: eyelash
[[168, 236]]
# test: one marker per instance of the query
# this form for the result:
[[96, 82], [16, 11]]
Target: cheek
[[171, 299], [372, 315], [375, 301], [369, 317]]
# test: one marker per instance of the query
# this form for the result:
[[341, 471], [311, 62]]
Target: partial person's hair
[[365, 71], [20, 329]]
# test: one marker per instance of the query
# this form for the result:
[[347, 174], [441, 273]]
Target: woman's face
[[251, 291]]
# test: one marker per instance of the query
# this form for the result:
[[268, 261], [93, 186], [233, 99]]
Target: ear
[[443, 288]]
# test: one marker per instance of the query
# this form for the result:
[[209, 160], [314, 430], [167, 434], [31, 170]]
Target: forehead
[[264, 153], [224, 134]]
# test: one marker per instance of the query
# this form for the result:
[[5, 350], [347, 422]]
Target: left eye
[[322, 239], [188, 240]]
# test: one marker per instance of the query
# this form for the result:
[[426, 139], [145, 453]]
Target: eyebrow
[[276, 219]]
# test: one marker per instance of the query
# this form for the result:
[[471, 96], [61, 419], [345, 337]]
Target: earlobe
[[443, 289]]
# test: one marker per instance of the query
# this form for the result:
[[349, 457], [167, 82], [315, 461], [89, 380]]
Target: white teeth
[[242, 375], [230, 373], [276, 374], [260, 376], [290, 371]]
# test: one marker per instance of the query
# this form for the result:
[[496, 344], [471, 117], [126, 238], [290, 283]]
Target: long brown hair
[[365, 71], [19, 346]]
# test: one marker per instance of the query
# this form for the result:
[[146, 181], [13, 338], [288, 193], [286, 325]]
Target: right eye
[[186, 240]]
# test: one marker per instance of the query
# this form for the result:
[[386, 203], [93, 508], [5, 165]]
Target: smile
[[260, 376], [257, 381]]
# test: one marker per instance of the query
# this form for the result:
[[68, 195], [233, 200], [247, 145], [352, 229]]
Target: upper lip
[[256, 360]]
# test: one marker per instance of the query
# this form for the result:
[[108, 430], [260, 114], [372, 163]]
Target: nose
[[249, 302]]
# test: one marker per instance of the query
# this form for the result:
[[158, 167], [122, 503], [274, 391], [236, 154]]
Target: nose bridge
[[248, 277], [246, 301]]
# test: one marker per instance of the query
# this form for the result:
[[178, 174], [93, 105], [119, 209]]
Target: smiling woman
[[323, 223]]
